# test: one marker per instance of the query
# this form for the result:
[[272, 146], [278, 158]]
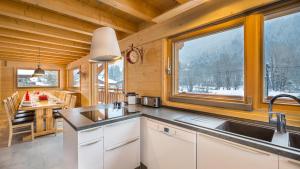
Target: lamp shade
[[104, 45], [38, 72]]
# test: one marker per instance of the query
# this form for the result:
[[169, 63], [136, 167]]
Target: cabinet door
[[168, 149], [90, 155], [215, 153], [126, 156], [286, 163]]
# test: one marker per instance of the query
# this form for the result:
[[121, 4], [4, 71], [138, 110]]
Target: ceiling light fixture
[[38, 71], [104, 45]]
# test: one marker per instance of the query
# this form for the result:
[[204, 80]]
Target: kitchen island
[[171, 138]]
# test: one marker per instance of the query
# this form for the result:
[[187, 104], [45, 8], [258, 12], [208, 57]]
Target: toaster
[[150, 101]]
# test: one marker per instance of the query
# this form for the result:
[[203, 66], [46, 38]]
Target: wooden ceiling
[[60, 31]]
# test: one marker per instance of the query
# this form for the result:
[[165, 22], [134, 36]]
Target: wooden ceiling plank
[[34, 54], [17, 47], [45, 46], [182, 1], [139, 9], [35, 28], [44, 39], [83, 11], [16, 58], [178, 10], [34, 14]]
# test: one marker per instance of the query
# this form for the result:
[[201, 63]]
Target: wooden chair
[[16, 100], [68, 100], [15, 124], [62, 96], [72, 103], [18, 113], [58, 118]]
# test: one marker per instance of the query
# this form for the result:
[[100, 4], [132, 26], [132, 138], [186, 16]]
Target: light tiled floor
[[43, 153]]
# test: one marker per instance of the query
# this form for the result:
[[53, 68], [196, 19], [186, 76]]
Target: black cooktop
[[108, 113]]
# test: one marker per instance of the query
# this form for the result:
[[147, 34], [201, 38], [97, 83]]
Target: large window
[[25, 79], [282, 55], [211, 64]]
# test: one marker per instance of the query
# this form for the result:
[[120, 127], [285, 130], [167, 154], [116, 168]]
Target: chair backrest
[[11, 106], [15, 99], [62, 96], [72, 102], [8, 112], [68, 99]]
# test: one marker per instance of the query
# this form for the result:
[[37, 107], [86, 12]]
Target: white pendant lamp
[[104, 45]]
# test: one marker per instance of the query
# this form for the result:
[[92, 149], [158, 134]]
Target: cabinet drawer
[[90, 155], [126, 156], [90, 134], [121, 132]]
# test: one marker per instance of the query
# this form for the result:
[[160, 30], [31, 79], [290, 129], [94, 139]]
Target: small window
[[25, 79], [282, 55], [76, 78], [210, 65]]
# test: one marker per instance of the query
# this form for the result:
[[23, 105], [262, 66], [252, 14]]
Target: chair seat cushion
[[22, 115], [56, 109], [25, 111], [22, 120], [56, 115]]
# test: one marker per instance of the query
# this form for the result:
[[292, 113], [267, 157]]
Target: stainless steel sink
[[243, 129], [294, 140]]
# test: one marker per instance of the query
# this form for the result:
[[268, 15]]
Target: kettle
[[131, 97]]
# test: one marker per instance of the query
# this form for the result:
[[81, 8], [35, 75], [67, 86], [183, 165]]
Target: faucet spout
[[280, 119]]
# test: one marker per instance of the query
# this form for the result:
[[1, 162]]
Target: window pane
[[282, 55], [101, 82], [115, 80], [212, 64], [25, 79], [76, 78]]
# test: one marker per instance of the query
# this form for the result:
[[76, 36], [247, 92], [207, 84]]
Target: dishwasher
[[167, 147]]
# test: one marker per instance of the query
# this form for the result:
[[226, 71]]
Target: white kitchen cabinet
[[83, 149], [125, 156], [90, 155], [166, 146], [286, 163], [122, 144], [216, 153]]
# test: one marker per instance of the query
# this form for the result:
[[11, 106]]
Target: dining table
[[43, 108]]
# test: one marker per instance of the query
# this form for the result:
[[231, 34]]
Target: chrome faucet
[[279, 118]]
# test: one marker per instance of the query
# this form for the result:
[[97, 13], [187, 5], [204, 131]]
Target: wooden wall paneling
[[145, 78]]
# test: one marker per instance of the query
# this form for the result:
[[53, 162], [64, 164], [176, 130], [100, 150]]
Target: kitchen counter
[[279, 144]]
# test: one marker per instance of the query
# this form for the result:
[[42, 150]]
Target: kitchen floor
[[42, 153]]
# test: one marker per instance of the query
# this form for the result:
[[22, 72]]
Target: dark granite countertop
[[279, 144]]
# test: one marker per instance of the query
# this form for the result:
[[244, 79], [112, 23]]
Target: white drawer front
[[90, 134], [121, 132], [90, 155], [125, 156]]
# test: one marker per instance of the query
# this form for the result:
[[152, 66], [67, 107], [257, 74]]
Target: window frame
[[106, 86], [51, 87], [224, 101], [268, 15], [70, 82]]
